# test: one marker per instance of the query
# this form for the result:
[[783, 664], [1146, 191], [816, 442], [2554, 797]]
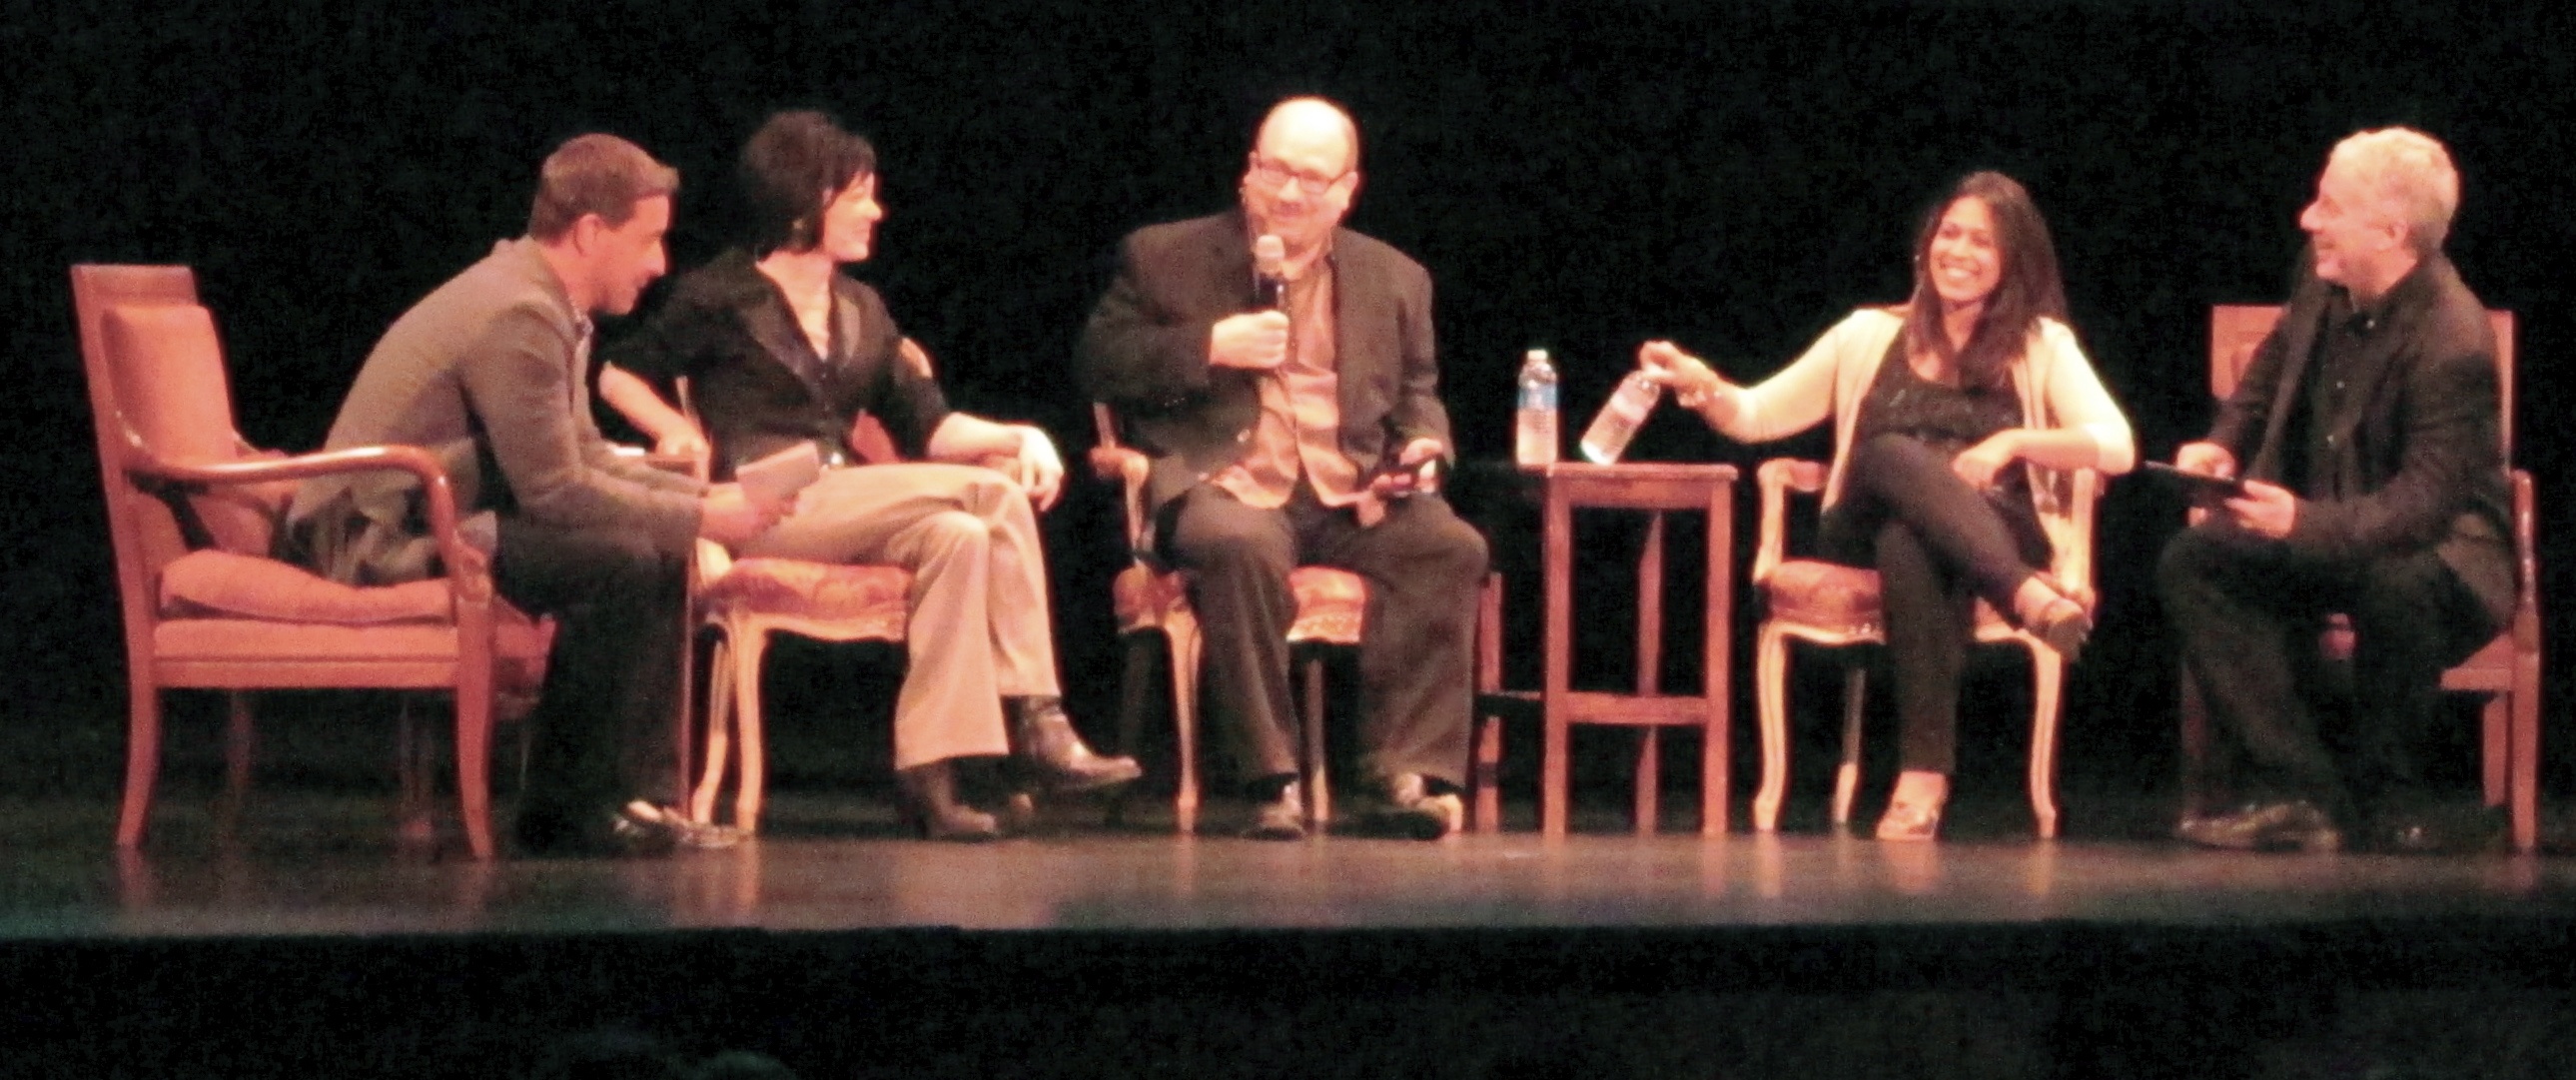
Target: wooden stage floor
[[327, 865], [312, 945]]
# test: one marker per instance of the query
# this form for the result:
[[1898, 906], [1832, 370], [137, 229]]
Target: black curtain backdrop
[[1581, 176]]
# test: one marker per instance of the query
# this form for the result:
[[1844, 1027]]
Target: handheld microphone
[[1269, 273]]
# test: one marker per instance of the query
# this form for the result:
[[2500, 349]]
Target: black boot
[[929, 804], [1052, 756]]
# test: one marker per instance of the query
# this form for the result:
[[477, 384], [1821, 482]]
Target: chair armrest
[[1778, 477], [1115, 462], [467, 567], [2074, 559]]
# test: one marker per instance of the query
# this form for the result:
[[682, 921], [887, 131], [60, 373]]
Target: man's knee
[[2417, 597], [1238, 542], [2187, 562], [1457, 550]]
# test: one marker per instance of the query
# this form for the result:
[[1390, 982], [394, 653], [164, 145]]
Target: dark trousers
[[1937, 545], [1422, 564], [604, 727], [2249, 611]]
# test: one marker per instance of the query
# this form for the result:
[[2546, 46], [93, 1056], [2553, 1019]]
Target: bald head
[[1310, 124]]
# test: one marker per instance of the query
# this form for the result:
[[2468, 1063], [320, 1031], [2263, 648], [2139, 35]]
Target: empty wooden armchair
[[191, 507]]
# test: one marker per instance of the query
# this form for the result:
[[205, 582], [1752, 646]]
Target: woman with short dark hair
[[1951, 415], [782, 348]]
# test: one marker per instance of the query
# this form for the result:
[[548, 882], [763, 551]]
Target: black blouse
[[755, 378], [1950, 418]]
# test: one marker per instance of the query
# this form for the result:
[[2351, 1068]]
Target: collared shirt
[[2349, 331], [1299, 432]]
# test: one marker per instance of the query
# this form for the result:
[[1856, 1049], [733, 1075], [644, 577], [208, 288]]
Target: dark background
[[1582, 176]]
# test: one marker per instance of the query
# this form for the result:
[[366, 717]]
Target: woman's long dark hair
[[2027, 290], [791, 168]]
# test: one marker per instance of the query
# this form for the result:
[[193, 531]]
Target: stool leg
[[1488, 774], [1650, 779]]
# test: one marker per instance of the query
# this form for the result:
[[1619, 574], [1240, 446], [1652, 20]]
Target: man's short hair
[[595, 174], [2411, 175], [791, 169]]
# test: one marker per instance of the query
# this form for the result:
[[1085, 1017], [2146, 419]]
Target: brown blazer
[[1145, 350]]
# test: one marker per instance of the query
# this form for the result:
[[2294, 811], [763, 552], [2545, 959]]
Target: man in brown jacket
[[487, 371]]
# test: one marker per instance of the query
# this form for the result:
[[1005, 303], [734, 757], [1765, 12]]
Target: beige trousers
[[979, 630]]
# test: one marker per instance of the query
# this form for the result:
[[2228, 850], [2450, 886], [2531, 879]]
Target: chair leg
[[474, 753], [2048, 678], [1319, 781], [749, 643], [240, 745], [720, 714], [1771, 698], [1182, 632], [2523, 781], [142, 753], [414, 821], [2495, 745], [1847, 776]]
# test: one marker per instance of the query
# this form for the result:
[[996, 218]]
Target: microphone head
[[1269, 256]]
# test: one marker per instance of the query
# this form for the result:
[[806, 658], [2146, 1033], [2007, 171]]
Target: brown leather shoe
[[1051, 754], [1282, 818], [2296, 825], [929, 804], [1413, 811]]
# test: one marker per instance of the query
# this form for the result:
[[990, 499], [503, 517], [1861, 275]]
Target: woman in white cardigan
[[1943, 458]]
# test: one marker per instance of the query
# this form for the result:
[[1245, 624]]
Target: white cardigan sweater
[[2056, 384]]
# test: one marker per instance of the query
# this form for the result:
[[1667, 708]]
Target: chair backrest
[[156, 377], [2237, 330]]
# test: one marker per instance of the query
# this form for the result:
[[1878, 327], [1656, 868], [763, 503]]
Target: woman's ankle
[[1922, 787], [2033, 598]]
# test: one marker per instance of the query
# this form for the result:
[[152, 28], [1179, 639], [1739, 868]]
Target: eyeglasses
[[1271, 174]]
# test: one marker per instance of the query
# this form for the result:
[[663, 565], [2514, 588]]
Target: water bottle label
[[1540, 396]]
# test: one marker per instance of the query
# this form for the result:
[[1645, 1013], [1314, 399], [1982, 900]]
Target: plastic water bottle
[[1534, 425], [1620, 418]]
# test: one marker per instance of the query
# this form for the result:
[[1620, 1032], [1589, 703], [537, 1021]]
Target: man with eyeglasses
[[1304, 433]]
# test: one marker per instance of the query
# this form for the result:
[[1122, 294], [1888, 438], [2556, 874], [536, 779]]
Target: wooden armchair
[[1151, 598], [1830, 604], [191, 508], [747, 600], [2506, 672]]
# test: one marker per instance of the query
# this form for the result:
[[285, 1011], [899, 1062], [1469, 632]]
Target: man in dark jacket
[[1296, 430], [2366, 432]]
